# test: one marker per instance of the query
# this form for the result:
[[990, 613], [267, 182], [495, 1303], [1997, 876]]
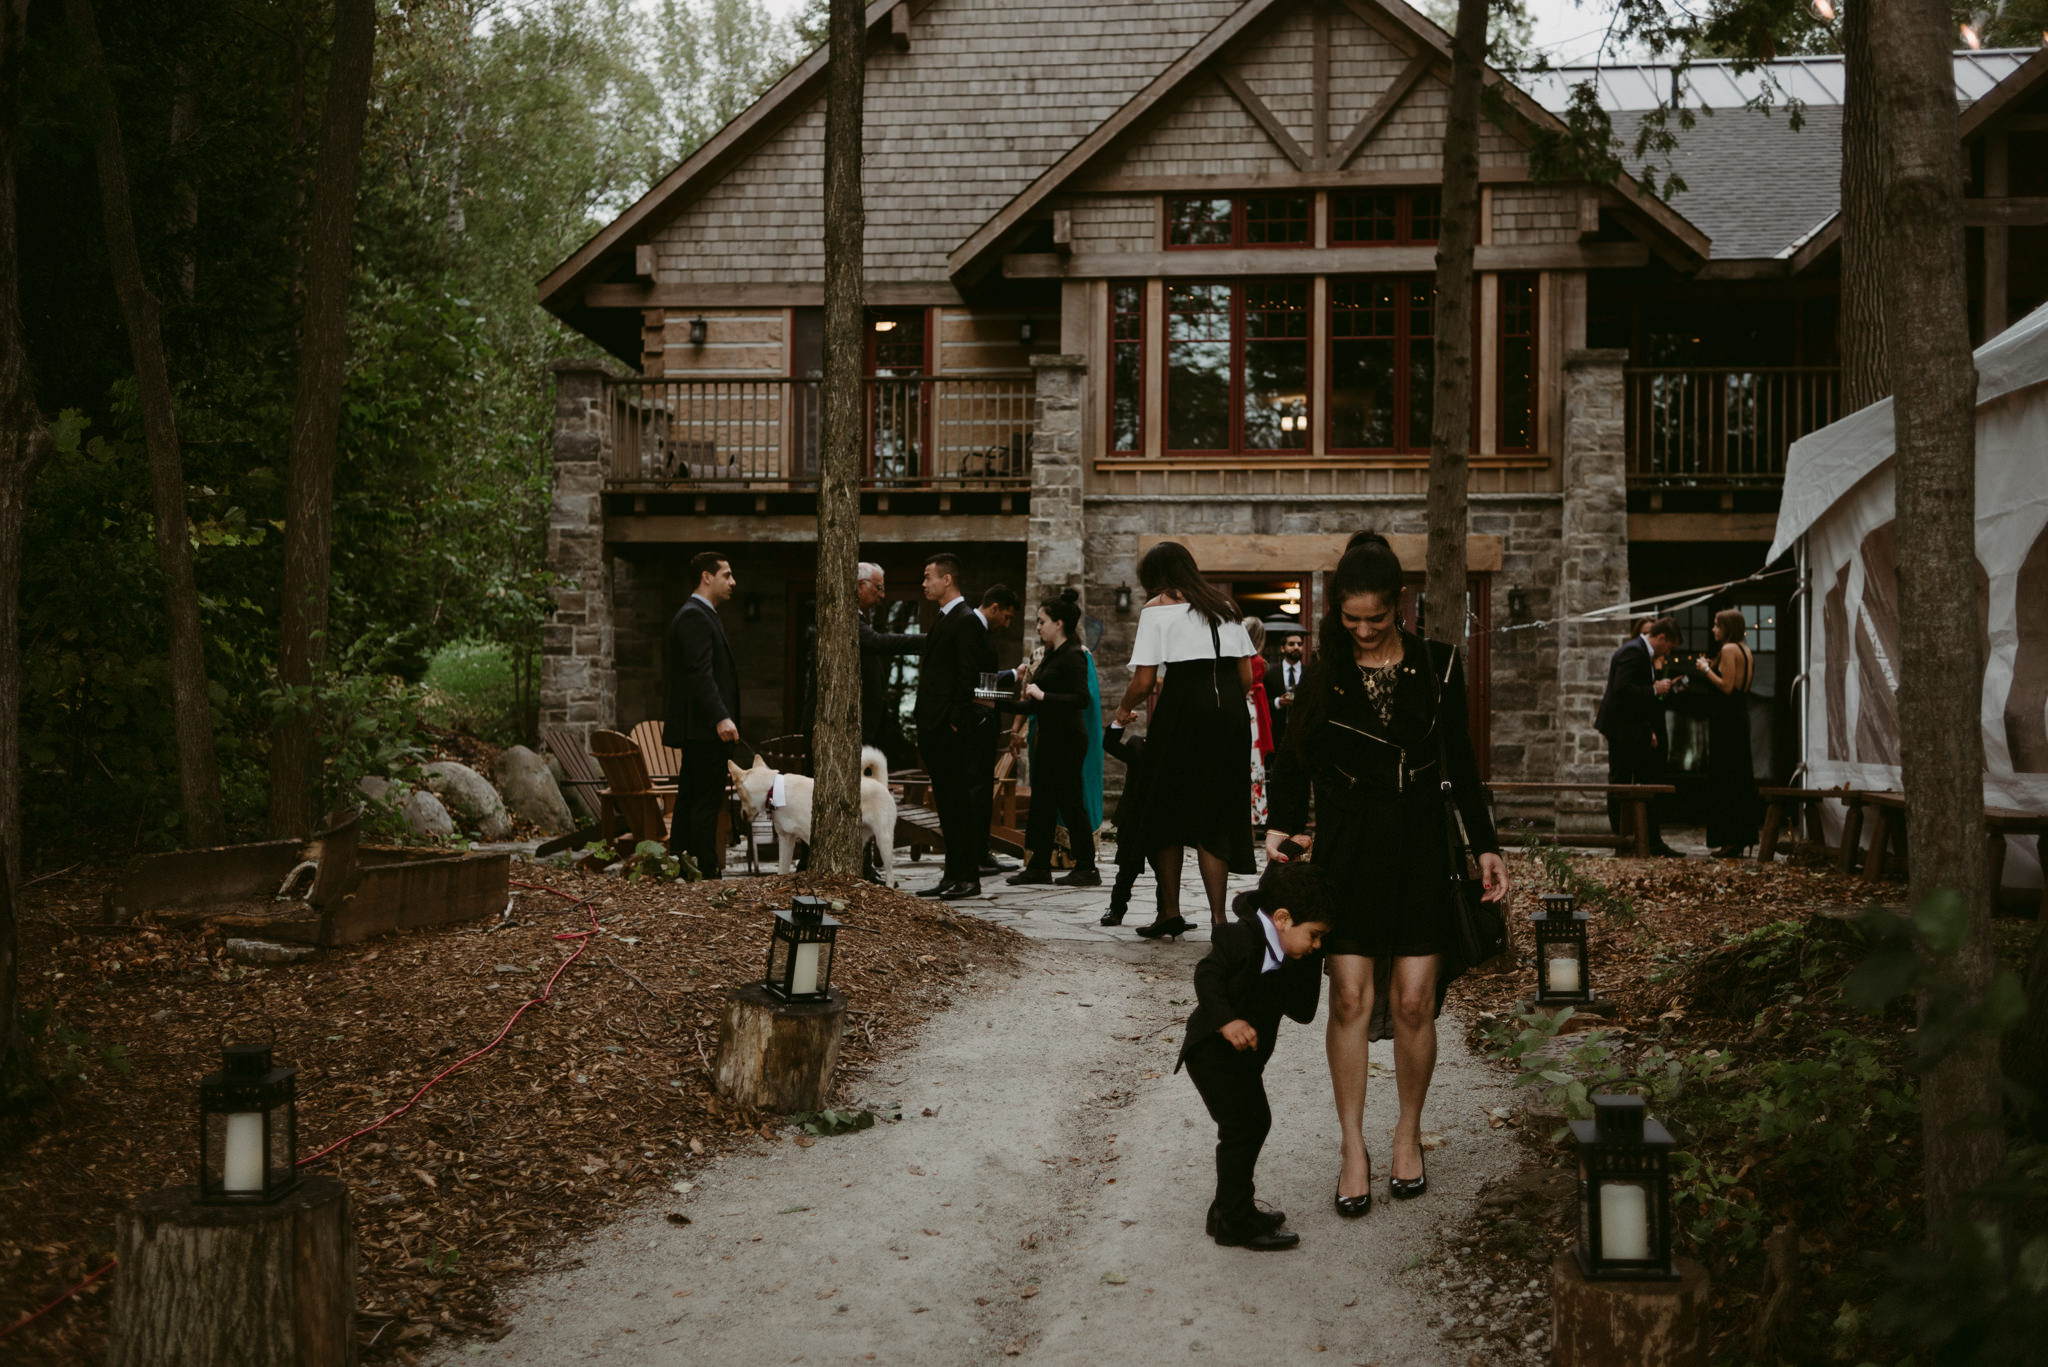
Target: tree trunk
[[1866, 374], [1941, 668], [316, 420], [836, 835], [778, 1056], [191, 708], [1450, 427], [24, 446]]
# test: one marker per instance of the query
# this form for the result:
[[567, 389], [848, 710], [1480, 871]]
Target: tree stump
[[257, 1286], [1627, 1324], [778, 1056]]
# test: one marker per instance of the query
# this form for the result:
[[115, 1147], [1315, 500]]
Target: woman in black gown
[[1058, 696], [1375, 711], [1732, 815]]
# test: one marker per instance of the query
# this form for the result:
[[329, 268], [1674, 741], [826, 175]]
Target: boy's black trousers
[[1233, 1086]]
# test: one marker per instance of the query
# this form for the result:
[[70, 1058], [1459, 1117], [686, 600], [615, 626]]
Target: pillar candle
[[1624, 1222], [805, 976], [1564, 975], [244, 1167]]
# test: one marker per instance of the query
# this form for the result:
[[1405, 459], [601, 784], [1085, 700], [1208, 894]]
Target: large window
[[1517, 355], [1386, 218], [1252, 221], [1382, 362], [1237, 366], [1127, 367]]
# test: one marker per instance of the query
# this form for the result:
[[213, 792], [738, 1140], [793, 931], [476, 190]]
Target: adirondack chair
[[582, 774], [664, 762], [627, 792]]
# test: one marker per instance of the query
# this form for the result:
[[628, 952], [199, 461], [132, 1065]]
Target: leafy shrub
[[470, 687]]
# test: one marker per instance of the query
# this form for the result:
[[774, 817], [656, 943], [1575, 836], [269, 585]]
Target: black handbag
[[1481, 926]]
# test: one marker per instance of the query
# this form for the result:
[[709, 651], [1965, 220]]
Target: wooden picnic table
[[1782, 808], [1888, 833], [1636, 796]]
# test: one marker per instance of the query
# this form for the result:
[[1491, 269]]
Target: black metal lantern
[[248, 1129], [1564, 971], [1123, 597], [800, 952], [699, 329], [1624, 1193], [1027, 333]]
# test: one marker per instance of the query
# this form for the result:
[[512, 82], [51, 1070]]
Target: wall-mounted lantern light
[[1123, 597], [1027, 333], [699, 330]]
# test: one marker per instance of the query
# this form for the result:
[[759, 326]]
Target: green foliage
[[1561, 872], [473, 686], [828, 1121], [1568, 1078]]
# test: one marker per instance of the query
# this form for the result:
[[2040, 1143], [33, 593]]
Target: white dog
[[787, 800]]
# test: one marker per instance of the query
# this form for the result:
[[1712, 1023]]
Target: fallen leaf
[[697, 1147], [1027, 1293], [1115, 1278], [682, 1188], [1433, 1140], [981, 1300], [933, 1232], [680, 1294], [916, 1171], [827, 1295], [676, 1217], [1016, 1349], [804, 1141]]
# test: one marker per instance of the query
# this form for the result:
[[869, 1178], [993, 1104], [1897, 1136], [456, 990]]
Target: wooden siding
[[750, 343], [985, 343], [1279, 66], [1363, 64], [1207, 133], [1115, 223], [1533, 214]]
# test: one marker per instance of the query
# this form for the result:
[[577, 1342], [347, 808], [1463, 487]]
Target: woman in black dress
[[1732, 815], [1375, 711], [1198, 782], [1058, 696]]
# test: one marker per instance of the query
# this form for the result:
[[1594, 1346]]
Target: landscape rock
[[425, 816], [264, 952], [530, 791], [470, 796]]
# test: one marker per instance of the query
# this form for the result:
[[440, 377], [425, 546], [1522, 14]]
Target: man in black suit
[[1265, 964], [877, 721], [956, 732], [1283, 680], [1631, 716], [703, 711], [998, 612]]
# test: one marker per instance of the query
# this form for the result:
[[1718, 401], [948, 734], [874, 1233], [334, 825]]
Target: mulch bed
[[596, 1101]]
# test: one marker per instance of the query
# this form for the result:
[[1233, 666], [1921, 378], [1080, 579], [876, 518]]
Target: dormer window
[[1241, 221]]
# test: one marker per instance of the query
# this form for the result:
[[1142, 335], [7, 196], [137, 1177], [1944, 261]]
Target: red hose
[[582, 937]]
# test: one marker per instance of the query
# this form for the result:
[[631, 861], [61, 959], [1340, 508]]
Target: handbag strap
[[1455, 835]]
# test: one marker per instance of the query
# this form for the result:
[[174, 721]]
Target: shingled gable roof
[[1424, 38]]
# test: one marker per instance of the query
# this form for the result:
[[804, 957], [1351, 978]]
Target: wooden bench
[[1888, 832], [1783, 807], [2000, 822], [1637, 797]]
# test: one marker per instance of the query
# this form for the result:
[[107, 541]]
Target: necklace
[[1381, 663]]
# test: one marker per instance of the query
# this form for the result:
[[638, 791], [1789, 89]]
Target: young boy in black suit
[[1266, 964]]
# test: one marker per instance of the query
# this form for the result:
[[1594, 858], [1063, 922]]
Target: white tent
[[1838, 511]]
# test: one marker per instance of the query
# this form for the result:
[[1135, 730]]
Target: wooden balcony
[[1723, 427], [763, 435]]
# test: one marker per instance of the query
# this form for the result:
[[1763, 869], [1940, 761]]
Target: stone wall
[[1595, 563], [578, 687], [1053, 558]]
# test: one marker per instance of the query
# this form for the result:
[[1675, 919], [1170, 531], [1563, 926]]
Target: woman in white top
[[1197, 785]]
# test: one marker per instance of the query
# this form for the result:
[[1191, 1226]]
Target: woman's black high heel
[[1169, 928], [1408, 1188], [1351, 1207]]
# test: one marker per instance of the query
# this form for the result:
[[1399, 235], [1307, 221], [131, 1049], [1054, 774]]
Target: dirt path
[[1041, 1201]]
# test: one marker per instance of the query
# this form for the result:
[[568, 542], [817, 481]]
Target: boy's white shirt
[[1275, 956]]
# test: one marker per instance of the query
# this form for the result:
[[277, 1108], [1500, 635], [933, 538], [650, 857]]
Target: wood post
[[261, 1286], [1627, 1324], [778, 1056]]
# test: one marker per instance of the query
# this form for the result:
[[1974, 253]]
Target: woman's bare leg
[[1215, 881], [1413, 1007], [1350, 1055], [1166, 868]]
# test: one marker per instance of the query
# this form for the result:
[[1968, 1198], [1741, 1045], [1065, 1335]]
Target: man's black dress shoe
[[1031, 877], [992, 866], [1268, 1219], [937, 889], [1080, 878], [1114, 916], [961, 891], [1254, 1235]]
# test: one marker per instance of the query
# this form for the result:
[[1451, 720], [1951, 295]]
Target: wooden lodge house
[[1147, 269]]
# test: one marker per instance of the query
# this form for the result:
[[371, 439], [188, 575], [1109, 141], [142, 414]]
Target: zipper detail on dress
[[1401, 763]]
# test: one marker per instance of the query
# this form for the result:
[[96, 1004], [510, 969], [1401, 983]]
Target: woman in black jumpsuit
[[1058, 697], [1370, 721]]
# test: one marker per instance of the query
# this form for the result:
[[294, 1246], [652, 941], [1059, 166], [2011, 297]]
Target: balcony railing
[[1723, 427], [766, 433]]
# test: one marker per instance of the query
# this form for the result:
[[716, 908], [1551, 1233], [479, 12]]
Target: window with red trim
[[1516, 428], [1237, 366], [1250, 221], [1127, 367], [1382, 362], [1386, 218]]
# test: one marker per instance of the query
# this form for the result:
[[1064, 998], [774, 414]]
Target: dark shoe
[[991, 866], [1114, 916], [1351, 1207], [937, 889], [1080, 878], [1268, 1219], [961, 891], [1171, 927], [1408, 1188], [1031, 877], [1665, 852], [1254, 1235]]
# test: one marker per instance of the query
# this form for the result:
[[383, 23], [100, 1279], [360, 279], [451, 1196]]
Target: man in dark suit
[[954, 730], [1264, 965], [1631, 716], [998, 613], [703, 711], [877, 721], [1283, 680]]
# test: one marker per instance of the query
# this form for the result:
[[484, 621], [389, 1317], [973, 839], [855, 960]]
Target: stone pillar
[[1052, 551], [578, 683], [1593, 572]]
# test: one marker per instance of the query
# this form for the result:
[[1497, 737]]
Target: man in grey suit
[[703, 711]]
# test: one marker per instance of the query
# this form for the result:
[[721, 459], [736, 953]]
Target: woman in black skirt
[[1058, 696], [1374, 712], [1198, 784], [1732, 808]]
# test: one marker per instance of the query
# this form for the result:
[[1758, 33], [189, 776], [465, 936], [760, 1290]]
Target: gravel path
[[1041, 1200]]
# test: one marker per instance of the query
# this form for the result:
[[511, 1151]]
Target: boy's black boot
[[1264, 1219], [1253, 1235]]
